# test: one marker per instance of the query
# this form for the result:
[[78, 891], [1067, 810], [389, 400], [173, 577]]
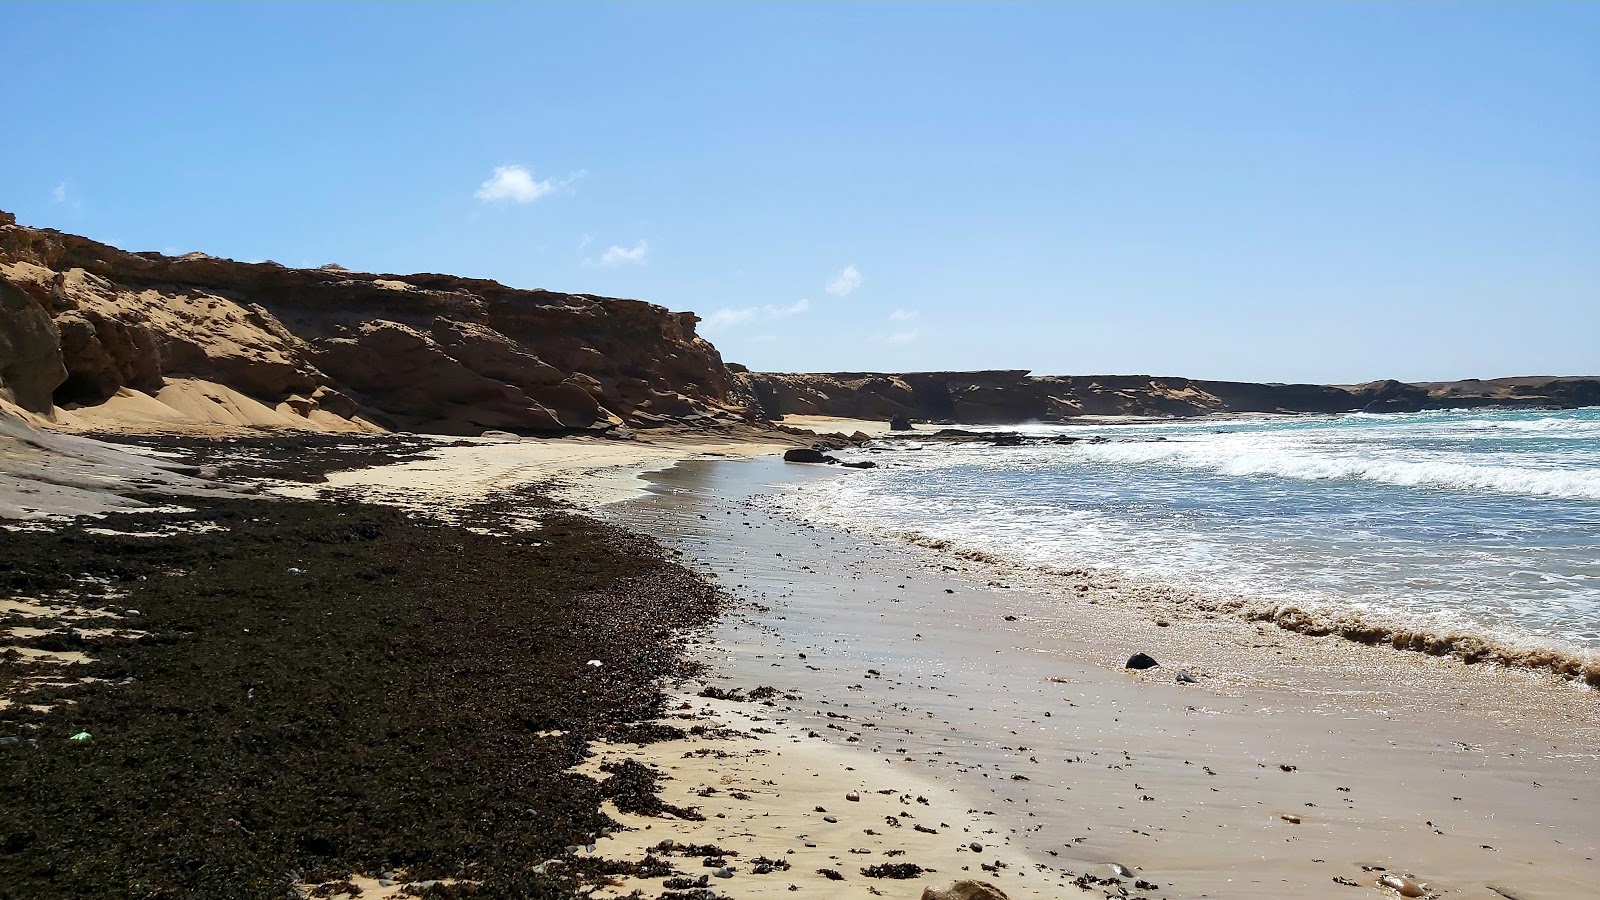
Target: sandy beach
[[873, 717]]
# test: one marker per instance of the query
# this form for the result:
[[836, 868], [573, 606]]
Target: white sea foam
[[1246, 458], [1435, 524]]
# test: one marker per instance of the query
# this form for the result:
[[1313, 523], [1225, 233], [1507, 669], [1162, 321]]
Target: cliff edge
[[87, 327]]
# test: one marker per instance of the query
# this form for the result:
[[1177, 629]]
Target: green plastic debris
[[81, 736]]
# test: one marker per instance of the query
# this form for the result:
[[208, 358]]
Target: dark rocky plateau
[[1013, 396]]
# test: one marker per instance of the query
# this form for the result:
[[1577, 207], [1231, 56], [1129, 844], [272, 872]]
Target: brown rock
[[30, 351], [965, 890], [423, 351]]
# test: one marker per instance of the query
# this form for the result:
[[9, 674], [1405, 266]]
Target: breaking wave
[[1241, 458], [1467, 534]]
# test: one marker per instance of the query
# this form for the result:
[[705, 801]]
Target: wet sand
[[1297, 764]]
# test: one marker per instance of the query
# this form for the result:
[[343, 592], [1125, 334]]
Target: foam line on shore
[[1365, 627]]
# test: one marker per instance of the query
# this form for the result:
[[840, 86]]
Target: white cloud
[[617, 255], [586, 240], [845, 283], [60, 192], [727, 318], [903, 315], [516, 183], [724, 318], [903, 337], [513, 183]]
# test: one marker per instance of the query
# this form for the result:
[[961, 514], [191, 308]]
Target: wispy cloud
[[845, 283], [618, 255], [59, 193], [793, 309], [903, 315], [903, 337], [517, 184], [727, 318]]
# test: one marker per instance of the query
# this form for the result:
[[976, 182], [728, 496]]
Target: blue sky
[[1291, 191]]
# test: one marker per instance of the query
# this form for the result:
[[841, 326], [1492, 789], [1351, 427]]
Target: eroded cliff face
[[1013, 396], [82, 323]]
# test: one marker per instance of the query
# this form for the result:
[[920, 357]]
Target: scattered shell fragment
[[1402, 885]]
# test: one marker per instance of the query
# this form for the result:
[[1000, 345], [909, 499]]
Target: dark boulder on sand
[[900, 423], [1142, 661]]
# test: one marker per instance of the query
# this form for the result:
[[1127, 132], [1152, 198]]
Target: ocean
[[1481, 523]]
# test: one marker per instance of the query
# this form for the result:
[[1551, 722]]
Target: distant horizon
[[1295, 193]]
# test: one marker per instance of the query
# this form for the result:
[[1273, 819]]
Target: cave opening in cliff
[[81, 390]]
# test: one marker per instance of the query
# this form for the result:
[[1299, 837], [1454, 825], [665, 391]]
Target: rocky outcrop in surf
[[1010, 396], [82, 322]]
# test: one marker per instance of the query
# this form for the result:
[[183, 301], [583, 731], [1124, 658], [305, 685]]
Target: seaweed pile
[[306, 456], [326, 688]]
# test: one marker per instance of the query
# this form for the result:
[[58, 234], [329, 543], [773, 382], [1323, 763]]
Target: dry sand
[[196, 405], [839, 425], [584, 471], [778, 791]]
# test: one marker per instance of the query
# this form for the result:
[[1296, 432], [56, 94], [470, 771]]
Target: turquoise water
[[1480, 520]]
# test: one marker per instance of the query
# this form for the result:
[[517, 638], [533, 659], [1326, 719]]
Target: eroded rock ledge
[[81, 321]]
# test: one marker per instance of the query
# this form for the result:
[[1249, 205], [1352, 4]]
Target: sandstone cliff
[[83, 323], [1012, 396]]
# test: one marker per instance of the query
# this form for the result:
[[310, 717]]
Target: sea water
[[1487, 521]]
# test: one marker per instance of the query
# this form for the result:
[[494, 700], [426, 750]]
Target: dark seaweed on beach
[[330, 688], [275, 453], [894, 870]]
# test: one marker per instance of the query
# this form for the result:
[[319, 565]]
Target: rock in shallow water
[[807, 455]]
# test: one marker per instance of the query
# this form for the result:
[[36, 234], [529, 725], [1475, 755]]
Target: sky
[[1313, 192]]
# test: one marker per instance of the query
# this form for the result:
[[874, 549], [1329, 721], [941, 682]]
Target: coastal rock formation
[[149, 339], [1010, 396], [83, 323]]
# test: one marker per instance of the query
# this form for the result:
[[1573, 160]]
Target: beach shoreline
[[1405, 733], [1287, 766]]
